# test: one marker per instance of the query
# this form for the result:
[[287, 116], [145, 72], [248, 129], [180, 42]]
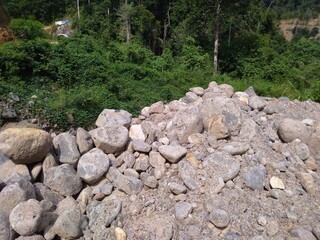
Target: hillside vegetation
[[129, 54]]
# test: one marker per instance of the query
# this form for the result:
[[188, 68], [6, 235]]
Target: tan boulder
[[25, 145]]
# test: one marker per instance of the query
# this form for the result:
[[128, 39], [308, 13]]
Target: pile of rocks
[[217, 164]]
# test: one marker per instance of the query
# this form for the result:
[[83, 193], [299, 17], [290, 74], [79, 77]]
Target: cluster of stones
[[216, 164]]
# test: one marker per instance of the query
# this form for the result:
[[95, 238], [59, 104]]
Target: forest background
[[127, 54]]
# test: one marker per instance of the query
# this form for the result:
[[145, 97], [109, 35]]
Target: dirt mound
[[288, 26]]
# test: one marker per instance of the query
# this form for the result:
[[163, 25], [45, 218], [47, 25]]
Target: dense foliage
[[128, 54]]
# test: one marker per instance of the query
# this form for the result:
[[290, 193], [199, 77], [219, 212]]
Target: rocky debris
[[216, 164], [25, 145]]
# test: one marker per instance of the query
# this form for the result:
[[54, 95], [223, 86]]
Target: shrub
[[26, 29]]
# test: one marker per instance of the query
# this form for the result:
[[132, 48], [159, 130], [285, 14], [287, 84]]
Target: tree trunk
[[128, 25], [78, 8], [216, 36], [166, 26]]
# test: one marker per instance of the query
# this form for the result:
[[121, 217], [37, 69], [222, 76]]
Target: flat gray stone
[[63, 179], [172, 153], [302, 151], [128, 184], [187, 174], [182, 210], [257, 102], [141, 146], [236, 148], [255, 178], [177, 188], [219, 218]]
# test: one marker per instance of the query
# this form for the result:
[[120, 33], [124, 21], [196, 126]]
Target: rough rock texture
[[25, 217], [63, 174], [112, 117], [216, 164], [290, 129], [93, 165], [84, 141], [25, 145], [7, 167], [66, 148], [111, 139]]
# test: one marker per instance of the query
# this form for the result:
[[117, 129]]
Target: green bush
[[26, 29]]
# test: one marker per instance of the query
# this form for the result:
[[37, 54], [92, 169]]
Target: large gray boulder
[[93, 165], [66, 148], [25, 145], [25, 217], [222, 106], [110, 139], [63, 179], [112, 117], [187, 121], [290, 129]]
